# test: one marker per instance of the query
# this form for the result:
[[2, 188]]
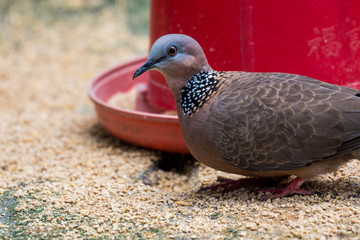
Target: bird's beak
[[147, 66]]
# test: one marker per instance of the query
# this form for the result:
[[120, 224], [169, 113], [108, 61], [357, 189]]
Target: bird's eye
[[172, 51]]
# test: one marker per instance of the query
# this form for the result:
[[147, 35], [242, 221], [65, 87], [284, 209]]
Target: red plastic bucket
[[319, 39]]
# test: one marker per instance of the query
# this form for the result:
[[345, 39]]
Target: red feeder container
[[319, 39]]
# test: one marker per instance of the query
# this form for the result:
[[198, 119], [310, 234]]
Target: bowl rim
[[122, 111]]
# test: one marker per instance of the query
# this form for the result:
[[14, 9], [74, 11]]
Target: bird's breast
[[198, 135]]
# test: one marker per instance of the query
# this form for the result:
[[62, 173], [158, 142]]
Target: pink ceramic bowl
[[155, 131]]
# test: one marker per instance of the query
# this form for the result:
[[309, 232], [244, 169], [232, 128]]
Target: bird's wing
[[276, 121]]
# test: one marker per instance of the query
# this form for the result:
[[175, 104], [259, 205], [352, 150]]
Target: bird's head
[[178, 57]]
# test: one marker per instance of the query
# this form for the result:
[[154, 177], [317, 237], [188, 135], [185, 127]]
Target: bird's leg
[[230, 184], [292, 188]]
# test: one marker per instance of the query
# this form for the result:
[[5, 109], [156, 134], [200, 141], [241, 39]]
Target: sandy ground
[[62, 176]]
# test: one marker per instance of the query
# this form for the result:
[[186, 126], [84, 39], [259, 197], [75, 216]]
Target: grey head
[[178, 57]]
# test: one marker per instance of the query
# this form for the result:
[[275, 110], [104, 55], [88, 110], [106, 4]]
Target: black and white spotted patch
[[198, 91]]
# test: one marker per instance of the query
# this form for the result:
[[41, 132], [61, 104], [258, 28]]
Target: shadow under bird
[[262, 125]]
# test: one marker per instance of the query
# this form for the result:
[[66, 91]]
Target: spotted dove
[[258, 124]]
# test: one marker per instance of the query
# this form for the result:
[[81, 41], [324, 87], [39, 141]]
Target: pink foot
[[292, 188]]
